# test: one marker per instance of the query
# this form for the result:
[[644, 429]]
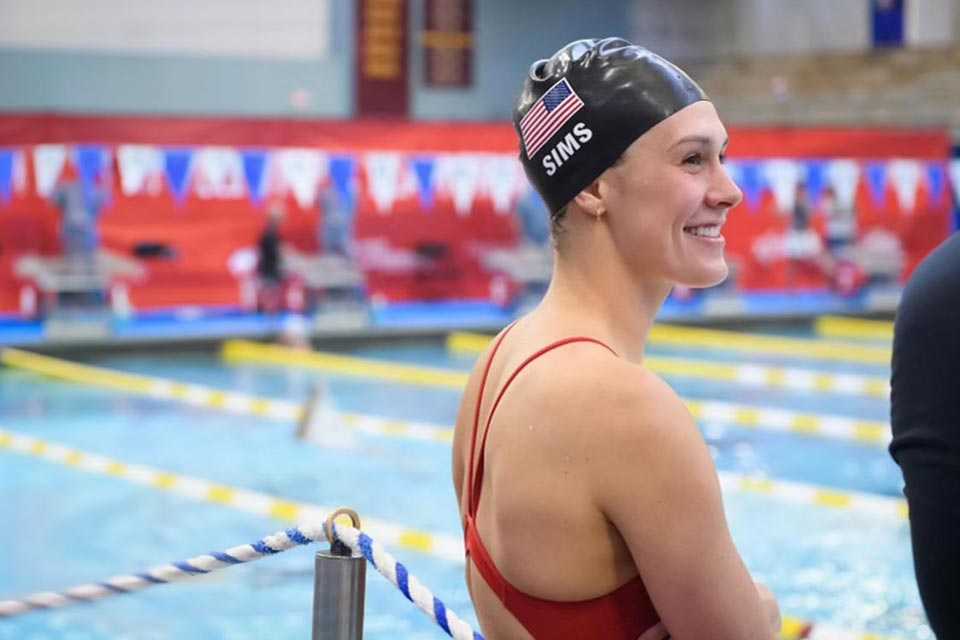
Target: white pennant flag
[[138, 164], [499, 180], [383, 178], [905, 176], [843, 176], [221, 173], [783, 176], [460, 174], [954, 170], [19, 177], [48, 162], [302, 170]]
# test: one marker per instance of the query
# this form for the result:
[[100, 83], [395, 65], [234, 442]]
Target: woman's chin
[[706, 276]]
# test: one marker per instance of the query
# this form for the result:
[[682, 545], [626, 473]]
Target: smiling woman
[[561, 427]]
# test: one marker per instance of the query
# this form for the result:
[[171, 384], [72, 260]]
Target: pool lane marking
[[752, 375], [856, 328], [246, 351], [875, 433], [267, 505], [727, 341], [447, 547]]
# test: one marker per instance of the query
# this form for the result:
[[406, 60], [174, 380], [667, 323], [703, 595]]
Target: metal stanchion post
[[339, 587]]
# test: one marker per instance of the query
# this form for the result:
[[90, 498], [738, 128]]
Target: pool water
[[64, 526]]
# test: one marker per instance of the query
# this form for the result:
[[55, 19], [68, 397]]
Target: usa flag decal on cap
[[547, 115]]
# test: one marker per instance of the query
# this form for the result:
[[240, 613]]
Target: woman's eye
[[694, 159], [723, 158]]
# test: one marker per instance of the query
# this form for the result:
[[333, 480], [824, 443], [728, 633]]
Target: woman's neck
[[603, 297]]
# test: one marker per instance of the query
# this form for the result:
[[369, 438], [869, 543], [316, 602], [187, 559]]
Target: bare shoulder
[[630, 399]]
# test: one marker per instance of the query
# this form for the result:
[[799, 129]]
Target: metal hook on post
[[339, 586]]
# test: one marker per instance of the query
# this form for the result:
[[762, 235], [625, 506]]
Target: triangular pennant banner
[[843, 176], [383, 178], [954, 169], [343, 174], [423, 168], [91, 161], [221, 170], [48, 162], [876, 173], [816, 181], [255, 171], [461, 174], [783, 176], [936, 180], [138, 163], [6, 176], [19, 172], [302, 170], [177, 164], [499, 173], [905, 176], [751, 182]]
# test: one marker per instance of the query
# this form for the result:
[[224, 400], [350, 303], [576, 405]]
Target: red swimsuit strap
[[476, 414], [474, 482]]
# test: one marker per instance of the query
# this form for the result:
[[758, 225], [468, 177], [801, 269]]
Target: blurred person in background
[[270, 262], [601, 512], [80, 210], [925, 417]]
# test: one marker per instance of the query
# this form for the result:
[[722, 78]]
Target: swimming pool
[[841, 567]]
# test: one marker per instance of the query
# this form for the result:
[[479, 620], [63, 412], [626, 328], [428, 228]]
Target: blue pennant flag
[[751, 182], [177, 164], [343, 173], [937, 179], [816, 180], [255, 170], [6, 175], [423, 168], [91, 160], [877, 181]]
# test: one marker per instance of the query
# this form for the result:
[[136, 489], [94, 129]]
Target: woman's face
[[668, 198]]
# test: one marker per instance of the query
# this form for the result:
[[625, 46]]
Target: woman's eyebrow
[[705, 140]]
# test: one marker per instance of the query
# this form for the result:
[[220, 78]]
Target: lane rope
[[855, 328], [667, 335], [749, 374], [871, 432]]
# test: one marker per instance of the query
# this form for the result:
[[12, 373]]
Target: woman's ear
[[589, 200]]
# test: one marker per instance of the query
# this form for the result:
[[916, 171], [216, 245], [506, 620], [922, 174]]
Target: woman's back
[[536, 510]]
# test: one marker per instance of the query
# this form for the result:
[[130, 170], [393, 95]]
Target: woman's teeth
[[707, 232]]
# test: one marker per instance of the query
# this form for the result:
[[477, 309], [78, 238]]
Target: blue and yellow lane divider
[[441, 546], [667, 335], [748, 416], [267, 505], [447, 547], [242, 351], [856, 328], [211, 398], [239, 351]]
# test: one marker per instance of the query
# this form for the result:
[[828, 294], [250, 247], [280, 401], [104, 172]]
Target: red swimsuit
[[624, 613]]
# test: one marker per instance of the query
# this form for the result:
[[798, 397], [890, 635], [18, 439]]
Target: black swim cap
[[580, 110]]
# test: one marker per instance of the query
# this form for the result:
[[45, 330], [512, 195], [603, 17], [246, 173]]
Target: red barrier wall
[[205, 232]]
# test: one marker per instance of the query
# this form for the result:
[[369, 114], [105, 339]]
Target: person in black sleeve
[[925, 415]]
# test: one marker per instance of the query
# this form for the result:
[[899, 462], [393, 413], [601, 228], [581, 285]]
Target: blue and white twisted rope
[[267, 546], [408, 584]]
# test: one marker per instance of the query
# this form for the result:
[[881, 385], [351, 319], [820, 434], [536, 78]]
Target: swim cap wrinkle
[[580, 109]]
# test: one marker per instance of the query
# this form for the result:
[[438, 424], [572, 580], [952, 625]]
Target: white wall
[[686, 29], [803, 26], [266, 29], [931, 22]]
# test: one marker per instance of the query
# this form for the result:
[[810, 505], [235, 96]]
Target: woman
[[601, 513]]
